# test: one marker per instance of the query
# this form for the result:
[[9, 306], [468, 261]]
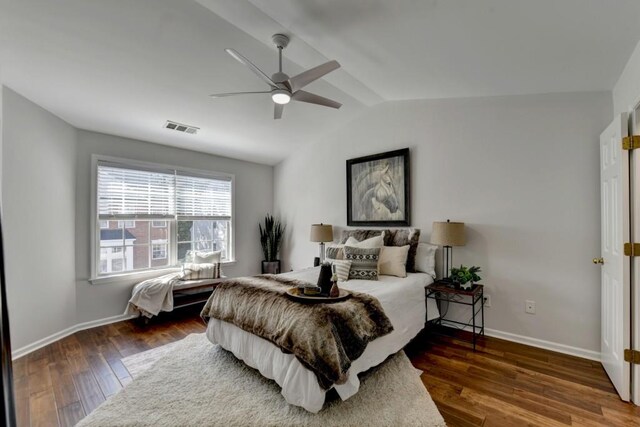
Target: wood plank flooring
[[501, 384]]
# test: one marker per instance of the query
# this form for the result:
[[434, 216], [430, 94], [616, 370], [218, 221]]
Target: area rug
[[195, 383]]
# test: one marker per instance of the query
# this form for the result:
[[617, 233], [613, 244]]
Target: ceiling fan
[[282, 87]]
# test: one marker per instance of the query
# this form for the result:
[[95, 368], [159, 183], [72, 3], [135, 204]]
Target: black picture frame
[[365, 172]]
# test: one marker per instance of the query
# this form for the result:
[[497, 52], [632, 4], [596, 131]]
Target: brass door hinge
[[631, 142], [632, 356], [632, 249]]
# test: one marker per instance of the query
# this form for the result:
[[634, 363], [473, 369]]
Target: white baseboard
[[535, 342], [547, 345], [22, 351]]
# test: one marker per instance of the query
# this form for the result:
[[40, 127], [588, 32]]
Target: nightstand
[[446, 292]]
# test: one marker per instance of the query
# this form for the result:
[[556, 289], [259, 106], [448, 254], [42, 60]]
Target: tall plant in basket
[[271, 235]]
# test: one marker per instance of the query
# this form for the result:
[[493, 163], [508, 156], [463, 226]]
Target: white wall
[[626, 92], [253, 199], [38, 195], [521, 172]]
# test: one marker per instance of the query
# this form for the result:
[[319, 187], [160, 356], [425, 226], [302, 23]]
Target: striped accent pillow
[[334, 252], [341, 269], [364, 262], [192, 271]]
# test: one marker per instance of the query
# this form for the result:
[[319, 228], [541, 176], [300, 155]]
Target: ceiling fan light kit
[[283, 88], [280, 96]]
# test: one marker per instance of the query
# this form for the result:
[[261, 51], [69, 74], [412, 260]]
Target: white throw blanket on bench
[[153, 296]]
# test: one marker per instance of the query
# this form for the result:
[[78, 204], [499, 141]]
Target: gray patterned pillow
[[364, 262], [333, 252], [360, 234]]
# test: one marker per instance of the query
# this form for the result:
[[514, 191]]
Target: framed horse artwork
[[378, 190]]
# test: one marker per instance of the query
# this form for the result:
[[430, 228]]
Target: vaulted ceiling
[[125, 67]]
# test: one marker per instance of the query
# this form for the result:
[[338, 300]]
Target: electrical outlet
[[530, 307], [487, 300]]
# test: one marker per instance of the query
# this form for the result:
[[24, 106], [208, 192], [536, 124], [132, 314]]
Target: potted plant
[[465, 277], [271, 235]]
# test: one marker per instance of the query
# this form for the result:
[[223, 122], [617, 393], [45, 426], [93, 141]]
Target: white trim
[[22, 351], [535, 342], [547, 345]]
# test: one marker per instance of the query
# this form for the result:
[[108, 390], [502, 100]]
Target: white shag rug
[[195, 383]]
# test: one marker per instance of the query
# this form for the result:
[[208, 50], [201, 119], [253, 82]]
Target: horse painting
[[378, 190]]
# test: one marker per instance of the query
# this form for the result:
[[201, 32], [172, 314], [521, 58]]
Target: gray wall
[[253, 198], [39, 205], [522, 172], [46, 178]]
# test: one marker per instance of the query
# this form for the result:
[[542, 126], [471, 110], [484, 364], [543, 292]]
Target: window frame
[[172, 244]]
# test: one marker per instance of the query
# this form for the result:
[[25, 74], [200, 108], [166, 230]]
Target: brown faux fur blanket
[[325, 338]]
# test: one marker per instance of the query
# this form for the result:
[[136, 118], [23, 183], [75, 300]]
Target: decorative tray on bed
[[297, 295]]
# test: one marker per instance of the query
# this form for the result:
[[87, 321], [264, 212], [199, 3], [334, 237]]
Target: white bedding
[[403, 301]]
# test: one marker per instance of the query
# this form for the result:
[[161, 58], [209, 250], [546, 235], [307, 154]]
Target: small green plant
[[271, 235], [464, 275]]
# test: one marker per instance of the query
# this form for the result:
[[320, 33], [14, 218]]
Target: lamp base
[[316, 261]]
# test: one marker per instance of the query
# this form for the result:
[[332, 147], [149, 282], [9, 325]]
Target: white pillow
[[192, 271], [341, 269], [374, 242], [426, 259], [393, 260], [200, 257]]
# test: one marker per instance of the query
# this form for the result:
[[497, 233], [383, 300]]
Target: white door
[[635, 230], [615, 303]]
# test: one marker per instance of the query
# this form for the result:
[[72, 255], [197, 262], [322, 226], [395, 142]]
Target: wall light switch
[[530, 307]]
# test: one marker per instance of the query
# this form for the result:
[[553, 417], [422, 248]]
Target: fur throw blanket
[[325, 338]]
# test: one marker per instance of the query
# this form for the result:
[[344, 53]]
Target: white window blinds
[[199, 197], [124, 192]]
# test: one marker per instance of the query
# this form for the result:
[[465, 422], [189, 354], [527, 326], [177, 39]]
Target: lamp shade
[[448, 233], [321, 233]]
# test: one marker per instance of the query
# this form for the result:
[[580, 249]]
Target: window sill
[[141, 275]]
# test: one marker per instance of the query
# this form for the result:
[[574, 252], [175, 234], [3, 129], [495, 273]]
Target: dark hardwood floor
[[501, 384]]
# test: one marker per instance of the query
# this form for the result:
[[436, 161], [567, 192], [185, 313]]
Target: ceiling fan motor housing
[[280, 40]]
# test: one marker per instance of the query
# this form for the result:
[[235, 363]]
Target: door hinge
[[631, 142], [632, 249], [632, 356]]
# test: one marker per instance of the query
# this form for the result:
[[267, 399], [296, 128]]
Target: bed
[[403, 301]]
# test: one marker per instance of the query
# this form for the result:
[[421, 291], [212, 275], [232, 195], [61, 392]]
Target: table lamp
[[448, 234], [321, 233]]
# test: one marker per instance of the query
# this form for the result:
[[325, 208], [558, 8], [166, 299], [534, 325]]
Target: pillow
[[393, 260], [201, 257], [364, 262], [333, 252], [360, 234], [426, 259], [191, 271], [341, 269], [374, 242], [401, 237]]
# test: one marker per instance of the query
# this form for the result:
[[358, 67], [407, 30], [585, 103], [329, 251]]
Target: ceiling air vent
[[179, 127]]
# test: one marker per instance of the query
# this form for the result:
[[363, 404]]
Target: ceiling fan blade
[[222, 95], [277, 110], [252, 67], [313, 74], [312, 98]]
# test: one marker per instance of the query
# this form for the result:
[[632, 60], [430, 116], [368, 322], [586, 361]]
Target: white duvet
[[403, 301]]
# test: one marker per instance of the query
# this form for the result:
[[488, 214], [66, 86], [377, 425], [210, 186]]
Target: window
[[148, 217], [159, 251]]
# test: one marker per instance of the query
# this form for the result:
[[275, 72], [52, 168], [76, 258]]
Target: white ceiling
[[124, 67]]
